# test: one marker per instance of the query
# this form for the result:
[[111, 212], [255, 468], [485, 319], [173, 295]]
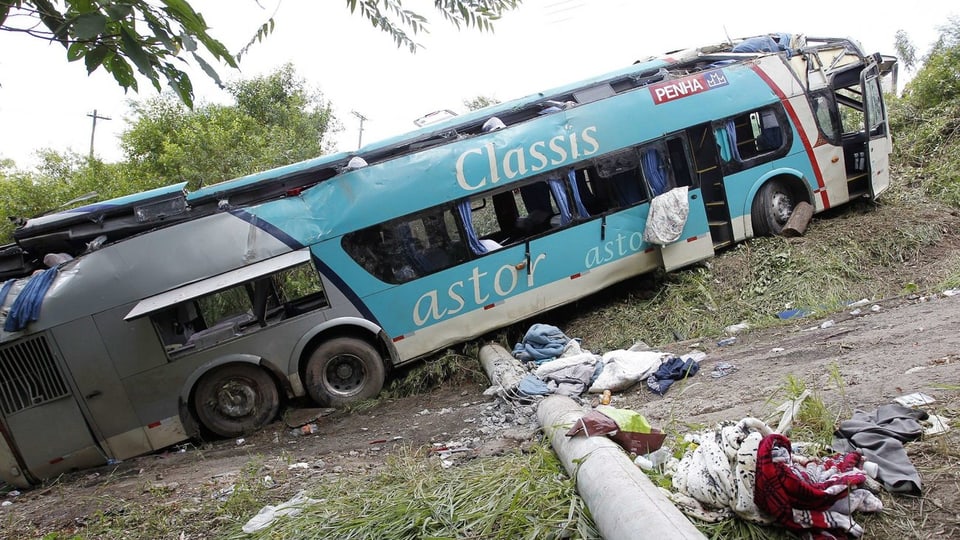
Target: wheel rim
[[236, 399], [344, 375], [781, 206]]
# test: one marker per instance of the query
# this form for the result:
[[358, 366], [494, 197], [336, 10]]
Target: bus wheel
[[236, 399], [344, 370], [772, 208]]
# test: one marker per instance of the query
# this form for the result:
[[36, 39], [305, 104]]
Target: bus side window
[[751, 135], [408, 248], [680, 163], [204, 321], [619, 178]]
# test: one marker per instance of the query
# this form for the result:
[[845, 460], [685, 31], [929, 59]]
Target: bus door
[[875, 126], [666, 166], [41, 413]]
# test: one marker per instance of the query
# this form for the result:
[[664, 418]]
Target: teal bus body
[[172, 314]]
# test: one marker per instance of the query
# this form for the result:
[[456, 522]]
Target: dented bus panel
[[171, 314]]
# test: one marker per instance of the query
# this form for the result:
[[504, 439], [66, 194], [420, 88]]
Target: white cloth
[[622, 369], [268, 514], [717, 478], [667, 217]]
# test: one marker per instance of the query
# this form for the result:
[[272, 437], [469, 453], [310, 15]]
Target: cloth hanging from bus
[[26, 307], [667, 217]]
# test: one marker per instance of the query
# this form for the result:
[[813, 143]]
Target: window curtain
[[577, 201], [466, 215], [560, 195], [653, 172]]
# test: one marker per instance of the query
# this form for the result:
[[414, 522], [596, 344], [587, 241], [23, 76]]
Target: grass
[[521, 495]]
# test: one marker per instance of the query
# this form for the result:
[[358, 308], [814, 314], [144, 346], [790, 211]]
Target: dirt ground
[[904, 345]]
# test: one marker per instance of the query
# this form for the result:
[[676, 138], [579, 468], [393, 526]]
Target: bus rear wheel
[[236, 399], [772, 208], [344, 370]]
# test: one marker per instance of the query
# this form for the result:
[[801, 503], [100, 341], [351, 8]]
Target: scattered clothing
[[715, 478], [880, 435], [541, 343], [622, 369], [671, 371], [814, 498], [531, 385]]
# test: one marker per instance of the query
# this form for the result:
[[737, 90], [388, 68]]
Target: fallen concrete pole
[[623, 501], [798, 221], [502, 368]]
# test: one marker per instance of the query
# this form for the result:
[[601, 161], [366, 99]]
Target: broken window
[[204, 321], [753, 137], [404, 249]]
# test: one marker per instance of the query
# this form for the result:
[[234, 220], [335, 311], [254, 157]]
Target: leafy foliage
[[480, 102], [120, 36], [926, 120], [391, 17], [277, 120], [153, 36], [58, 179]]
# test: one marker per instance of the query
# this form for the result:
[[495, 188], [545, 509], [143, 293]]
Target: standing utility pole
[[362, 119], [93, 130]]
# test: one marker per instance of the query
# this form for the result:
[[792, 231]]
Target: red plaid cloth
[[786, 491]]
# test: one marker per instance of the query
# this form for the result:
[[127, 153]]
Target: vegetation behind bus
[[275, 120]]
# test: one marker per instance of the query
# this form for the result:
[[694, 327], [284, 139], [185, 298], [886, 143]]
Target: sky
[[47, 102]]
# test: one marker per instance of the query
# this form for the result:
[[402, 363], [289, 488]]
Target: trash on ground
[[722, 369], [307, 429], [268, 514], [627, 428], [792, 313], [915, 399], [737, 328], [727, 341], [828, 323], [938, 425]]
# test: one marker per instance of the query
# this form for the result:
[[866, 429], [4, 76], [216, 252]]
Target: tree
[[118, 36], [905, 50], [390, 16], [153, 36], [59, 179], [938, 80], [276, 120]]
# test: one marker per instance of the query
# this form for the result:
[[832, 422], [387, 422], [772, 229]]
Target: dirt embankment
[[902, 346]]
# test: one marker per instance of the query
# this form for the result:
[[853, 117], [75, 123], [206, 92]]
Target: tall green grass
[[518, 496]]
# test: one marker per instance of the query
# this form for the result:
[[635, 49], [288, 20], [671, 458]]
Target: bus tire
[[772, 208], [236, 399], [344, 370]]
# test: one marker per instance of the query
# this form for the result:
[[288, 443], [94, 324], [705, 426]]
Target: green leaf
[[131, 46], [95, 57], [208, 69], [119, 11], [89, 25], [76, 51], [181, 11]]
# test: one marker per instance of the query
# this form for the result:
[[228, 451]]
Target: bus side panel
[[111, 414], [695, 243], [513, 283], [10, 471], [53, 438]]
